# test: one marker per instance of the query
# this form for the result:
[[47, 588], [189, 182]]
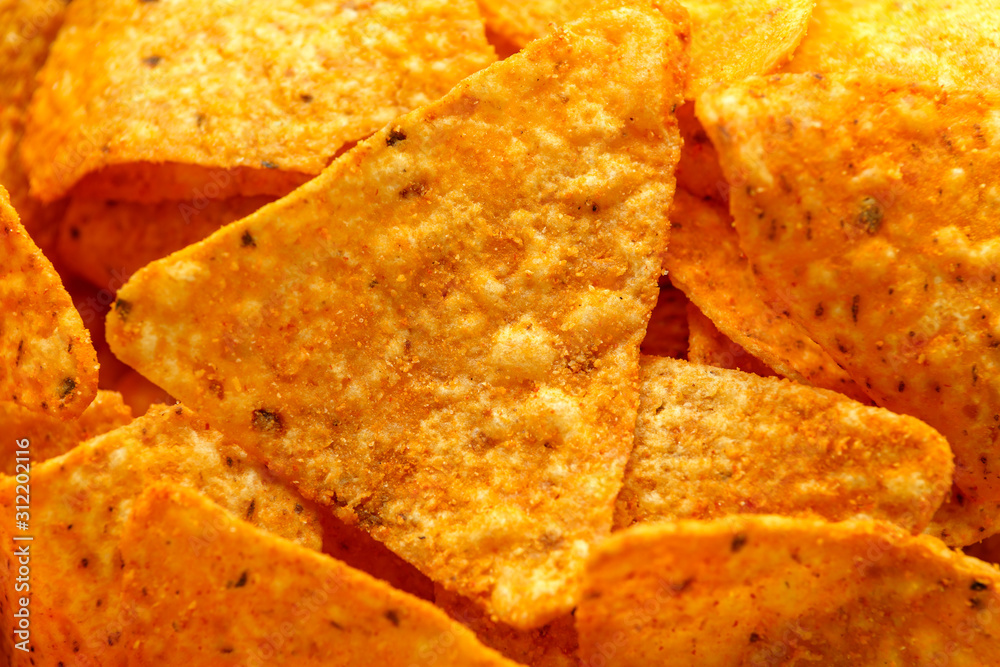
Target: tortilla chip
[[730, 41], [49, 363], [109, 241], [667, 331], [711, 442], [51, 436], [760, 590], [882, 237], [698, 171], [439, 336], [710, 347], [149, 101], [27, 28], [248, 598], [952, 42], [705, 261], [552, 645], [81, 500], [355, 547]]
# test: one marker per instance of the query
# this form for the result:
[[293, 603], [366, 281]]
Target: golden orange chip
[[881, 236], [48, 362], [80, 501], [51, 436], [667, 331], [552, 645], [355, 547], [439, 336], [705, 260], [245, 597], [711, 442], [27, 29], [164, 100], [733, 40], [710, 347], [763, 590], [953, 42], [729, 40], [106, 242]]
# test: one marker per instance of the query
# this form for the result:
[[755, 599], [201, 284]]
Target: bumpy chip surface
[[881, 236], [106, 242], [729, 41], [439, 336], [51, 436], [244, 597], [760, 590], [704, 260], [710, 347], [81, 500], [952, 42], [711, 442], [160, 94], [47, 362], [552, 645]]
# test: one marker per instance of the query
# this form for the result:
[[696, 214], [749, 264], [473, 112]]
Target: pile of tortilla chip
[[499, 332]]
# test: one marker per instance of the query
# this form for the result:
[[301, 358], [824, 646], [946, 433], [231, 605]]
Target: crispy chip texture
[[240, 596], [27, 29], [48, 362], [729, 40], [439, 335], [667, 331], [881, 236], [161, 96], [107, 241], [711, 442], [763, 590], [710, 347], [51, 436], [704, 260], [952, 42], [81, 500], [552, 645]]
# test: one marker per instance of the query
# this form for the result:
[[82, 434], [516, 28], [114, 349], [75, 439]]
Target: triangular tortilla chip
[[760, 590], [667, 331], [711, 442], [729, 40], [51, 436], [162, 100], [439, 336], [870, 209], [705, 261], [106, 241], [47, 362], [27, 29], [552, 645], [953, 42], [78, 506], [710, 347], [245, 597]]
